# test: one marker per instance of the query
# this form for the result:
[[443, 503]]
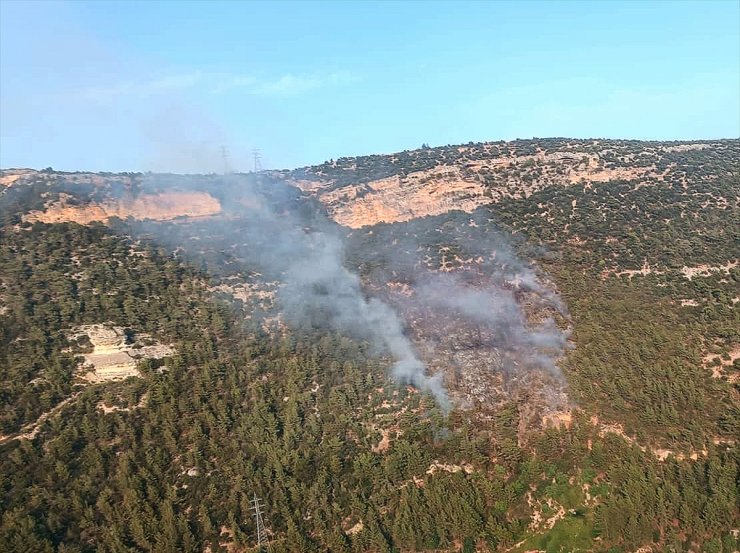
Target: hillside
[[615, 224], [432, 181], [510, 346]]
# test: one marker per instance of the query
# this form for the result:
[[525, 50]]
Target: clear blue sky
[[162, 86]]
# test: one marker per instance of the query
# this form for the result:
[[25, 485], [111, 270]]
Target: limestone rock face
[[164, 206], [395, 199], [86, 198], [469, 177]]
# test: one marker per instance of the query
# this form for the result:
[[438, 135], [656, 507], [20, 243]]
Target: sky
[[170, 86]]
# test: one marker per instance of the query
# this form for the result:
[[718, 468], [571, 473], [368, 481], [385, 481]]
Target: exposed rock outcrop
[[113, 356], [465, 184], [164, 206]]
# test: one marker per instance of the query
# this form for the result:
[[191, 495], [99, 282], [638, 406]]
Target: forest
[[308, 418]]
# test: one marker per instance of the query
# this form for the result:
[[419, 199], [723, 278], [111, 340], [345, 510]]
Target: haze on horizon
[[162, 86]]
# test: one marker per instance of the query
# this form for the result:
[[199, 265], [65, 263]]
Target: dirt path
[[29, 431], [661, 453]]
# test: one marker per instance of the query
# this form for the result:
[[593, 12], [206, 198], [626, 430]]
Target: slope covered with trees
[[307, 418]]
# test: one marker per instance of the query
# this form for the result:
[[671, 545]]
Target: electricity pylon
[[225, 156], [257, 157], [263, 544]]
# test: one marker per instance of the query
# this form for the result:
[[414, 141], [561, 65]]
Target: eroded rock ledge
[[163, 206]]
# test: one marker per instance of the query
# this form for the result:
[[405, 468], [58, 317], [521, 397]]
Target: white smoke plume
[[317, 281], [466, 289], [494, 307], [275, 230]]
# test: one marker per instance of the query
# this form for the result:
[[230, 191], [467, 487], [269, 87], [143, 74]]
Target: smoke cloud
[[274, 229], [316, 281], [477, 310], [493, 306]]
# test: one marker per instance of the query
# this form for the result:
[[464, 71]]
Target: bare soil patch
[[113, 356]]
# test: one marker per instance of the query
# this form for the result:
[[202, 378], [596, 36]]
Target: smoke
[[272, 228], [473, 303], [317, 282], [493, 307]]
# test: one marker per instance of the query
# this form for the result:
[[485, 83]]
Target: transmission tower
[[225, 156], [263, 544], [257, 156]]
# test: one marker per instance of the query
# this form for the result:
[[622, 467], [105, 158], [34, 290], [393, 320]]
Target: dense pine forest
[[308, 417]]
